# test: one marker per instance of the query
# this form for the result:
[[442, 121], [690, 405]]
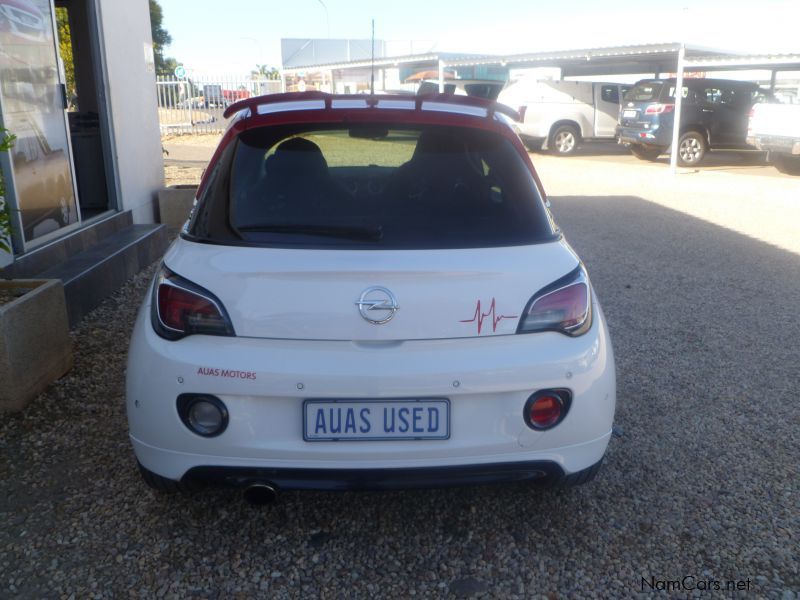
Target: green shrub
[[6, 141]]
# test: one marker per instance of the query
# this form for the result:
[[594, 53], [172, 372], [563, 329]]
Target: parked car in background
[[231, 96], [714, 115], [561, 115], [371, 293], [22, 19], [775, 127], [463, 87], [213, 96]]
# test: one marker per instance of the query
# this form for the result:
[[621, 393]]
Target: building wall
[[125, 38]]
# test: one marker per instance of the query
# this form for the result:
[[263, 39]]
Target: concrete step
[[95, 273], [33, 263]]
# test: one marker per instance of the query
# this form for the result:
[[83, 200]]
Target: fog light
[[546, 408], [203, 414]]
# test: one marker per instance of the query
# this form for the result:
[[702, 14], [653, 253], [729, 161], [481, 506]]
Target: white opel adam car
[[370, 293]]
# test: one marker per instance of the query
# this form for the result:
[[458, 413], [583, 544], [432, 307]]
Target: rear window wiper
[[370, 233]]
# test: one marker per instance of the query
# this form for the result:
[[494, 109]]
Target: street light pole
[[327, 17]]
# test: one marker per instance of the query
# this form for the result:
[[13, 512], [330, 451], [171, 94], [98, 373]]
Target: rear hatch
[[313, 294], [371, 231], [642, 107]]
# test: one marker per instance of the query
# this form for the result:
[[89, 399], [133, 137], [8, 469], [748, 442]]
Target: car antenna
[[372, 66]]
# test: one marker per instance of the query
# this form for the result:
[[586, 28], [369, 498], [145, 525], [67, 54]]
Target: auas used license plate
[[413, 419], [628, 113]]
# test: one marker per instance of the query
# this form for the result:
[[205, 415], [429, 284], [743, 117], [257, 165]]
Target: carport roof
[[612, 60], [643, 58], [428, 58]]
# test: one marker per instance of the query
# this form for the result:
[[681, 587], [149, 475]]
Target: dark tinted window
[[759, 96], [644, 92], [610, 93], [372, 187], [713, 95]]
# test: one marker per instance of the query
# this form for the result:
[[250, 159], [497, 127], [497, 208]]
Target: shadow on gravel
[[703, 483]]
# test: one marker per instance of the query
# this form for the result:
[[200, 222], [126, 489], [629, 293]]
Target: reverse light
[[564, 306], [181, 308], [546, 408], [203, 414], [657, 109]]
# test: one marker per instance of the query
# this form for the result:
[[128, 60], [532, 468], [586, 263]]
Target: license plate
[[372, 420], [629, 114]]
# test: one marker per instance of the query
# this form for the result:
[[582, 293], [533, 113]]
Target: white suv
[[370, 293]]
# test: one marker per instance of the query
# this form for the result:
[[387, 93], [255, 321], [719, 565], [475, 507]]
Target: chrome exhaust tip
[[260, 494]]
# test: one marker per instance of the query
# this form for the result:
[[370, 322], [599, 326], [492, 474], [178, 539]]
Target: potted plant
[[6, 252], [35, 347]]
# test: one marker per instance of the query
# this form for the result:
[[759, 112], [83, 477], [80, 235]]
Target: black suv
[[714, 115]]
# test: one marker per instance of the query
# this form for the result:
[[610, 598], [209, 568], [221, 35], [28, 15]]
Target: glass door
[[32, 101]]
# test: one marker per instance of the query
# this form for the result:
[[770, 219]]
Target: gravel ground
[[703, 481]]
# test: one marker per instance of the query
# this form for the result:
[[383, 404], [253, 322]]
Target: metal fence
[[194, 105]]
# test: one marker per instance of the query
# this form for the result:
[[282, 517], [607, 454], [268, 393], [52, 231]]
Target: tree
[[161, 39], [6, 141], [265, 72], [65, 47]]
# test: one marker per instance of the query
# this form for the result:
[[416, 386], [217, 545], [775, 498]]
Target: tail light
[[564, 306], [546, 408], [521, 110], [657, 109], [181, 308]]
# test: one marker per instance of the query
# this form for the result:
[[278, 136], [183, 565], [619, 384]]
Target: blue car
[[714, 115]]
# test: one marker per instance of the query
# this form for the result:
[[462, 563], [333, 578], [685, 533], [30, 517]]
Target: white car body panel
[[551, 102], [311, 294], [775, 127], [486, 380]]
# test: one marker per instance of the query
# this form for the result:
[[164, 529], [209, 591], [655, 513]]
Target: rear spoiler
[[438, 102]]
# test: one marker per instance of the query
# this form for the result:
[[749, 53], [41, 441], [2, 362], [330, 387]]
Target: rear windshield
[[644, 92], [371, 187]]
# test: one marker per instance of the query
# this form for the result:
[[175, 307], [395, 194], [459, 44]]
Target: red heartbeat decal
[[480, 316]]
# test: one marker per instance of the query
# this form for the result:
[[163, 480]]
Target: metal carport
[[648, 58], [655, 59]]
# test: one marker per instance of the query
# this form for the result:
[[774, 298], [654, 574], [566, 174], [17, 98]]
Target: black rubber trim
[[580, 477], [162, 484], [380, 479]]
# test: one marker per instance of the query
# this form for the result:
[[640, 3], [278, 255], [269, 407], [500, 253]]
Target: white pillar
[[676, 123]]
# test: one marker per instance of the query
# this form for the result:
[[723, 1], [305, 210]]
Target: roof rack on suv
[[314, 100]]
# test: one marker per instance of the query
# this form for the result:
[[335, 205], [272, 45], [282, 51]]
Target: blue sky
[[214, 37]]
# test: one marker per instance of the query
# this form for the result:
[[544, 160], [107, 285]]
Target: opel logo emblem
[[377, 305]]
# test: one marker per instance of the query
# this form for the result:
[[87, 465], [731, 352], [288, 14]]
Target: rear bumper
[[487, 381], [646, 137], [543, 472], [776, 143]]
